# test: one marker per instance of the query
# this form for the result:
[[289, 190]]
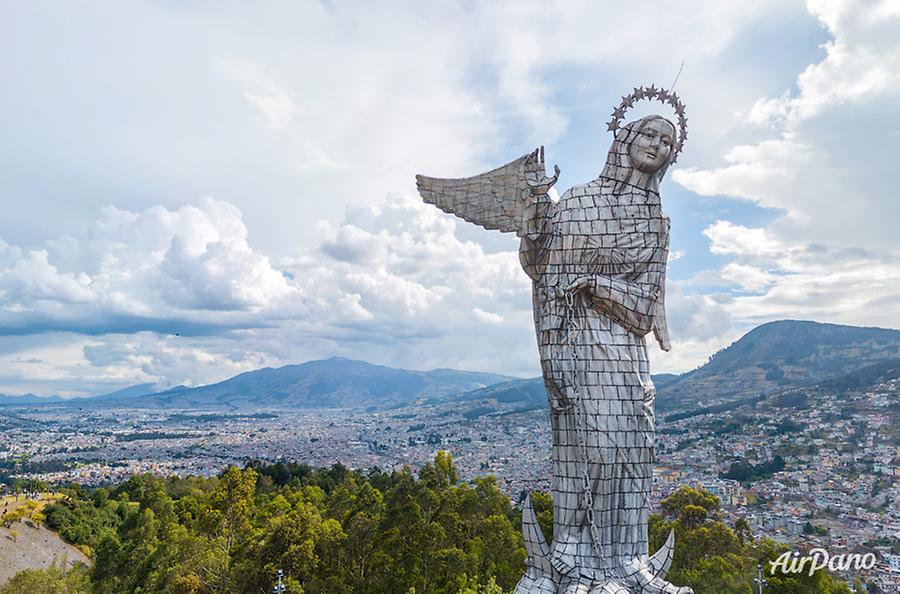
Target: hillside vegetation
[[340, 531], [781, 355]]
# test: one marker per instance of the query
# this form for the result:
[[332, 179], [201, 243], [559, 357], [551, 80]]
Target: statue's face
[[652, 146]]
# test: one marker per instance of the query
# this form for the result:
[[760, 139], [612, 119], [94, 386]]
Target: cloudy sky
[[192, 190]]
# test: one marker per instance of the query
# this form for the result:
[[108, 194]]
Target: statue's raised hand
[[536, 173]]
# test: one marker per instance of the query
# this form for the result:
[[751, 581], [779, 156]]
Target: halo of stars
[[661, 95]]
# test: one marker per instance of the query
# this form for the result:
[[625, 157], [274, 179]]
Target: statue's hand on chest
[[627, 257], [595, 234]]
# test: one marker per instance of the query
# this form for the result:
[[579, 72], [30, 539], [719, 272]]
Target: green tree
[[225, 519], [345, 532], [10, 518], [38, 519], [675, 504], [504, 556], [473, 587], [53, 580], [693, 516], [441, 473], [743, 532], [81, 521], [108, 557], [708, 555]]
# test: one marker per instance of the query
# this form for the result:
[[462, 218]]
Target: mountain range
[[30, 399], [770, 358], [328, 383]]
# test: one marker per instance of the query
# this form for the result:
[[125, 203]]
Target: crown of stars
[[661, 95]]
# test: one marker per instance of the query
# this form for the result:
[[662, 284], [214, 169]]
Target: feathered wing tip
[[493, 200]]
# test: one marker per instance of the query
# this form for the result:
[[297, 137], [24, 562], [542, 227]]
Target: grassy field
[[8, 503]]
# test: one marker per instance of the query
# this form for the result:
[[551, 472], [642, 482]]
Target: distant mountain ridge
[[29, 399], [328, 383], [137, 390], [770, 358]]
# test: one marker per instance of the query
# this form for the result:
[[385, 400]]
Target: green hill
[[781, 355]]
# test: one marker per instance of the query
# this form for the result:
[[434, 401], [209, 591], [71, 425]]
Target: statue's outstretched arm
[[502, 199]]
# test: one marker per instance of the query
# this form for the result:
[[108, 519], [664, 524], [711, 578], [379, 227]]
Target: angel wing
[[493, 200]]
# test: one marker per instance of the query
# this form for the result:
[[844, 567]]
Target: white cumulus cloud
[[830, 253], [150, 270]]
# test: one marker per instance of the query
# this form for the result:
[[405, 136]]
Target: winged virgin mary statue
[[597, 258]]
